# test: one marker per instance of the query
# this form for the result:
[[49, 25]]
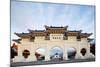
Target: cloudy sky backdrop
[[32, 15]]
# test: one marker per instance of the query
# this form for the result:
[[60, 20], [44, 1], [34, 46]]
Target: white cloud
[[36, 15]]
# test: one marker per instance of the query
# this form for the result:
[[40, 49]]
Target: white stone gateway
[[48, 39]]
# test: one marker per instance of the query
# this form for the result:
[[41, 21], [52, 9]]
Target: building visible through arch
[[50, 38]]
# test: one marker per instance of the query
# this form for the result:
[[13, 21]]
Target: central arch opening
[[56, 53], [40, 54], [71, 53]]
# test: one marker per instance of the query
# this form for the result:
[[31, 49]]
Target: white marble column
[[65, 57], [47, 55], [19, 58], [32, 56], [78, 54]]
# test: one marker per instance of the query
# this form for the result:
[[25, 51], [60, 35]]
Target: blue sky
[[31, 15]]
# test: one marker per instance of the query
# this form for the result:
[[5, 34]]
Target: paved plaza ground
[[49, 62]]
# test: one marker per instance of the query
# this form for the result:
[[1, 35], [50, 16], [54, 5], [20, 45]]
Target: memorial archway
[[56, 53], [40, 54], [71, 53]]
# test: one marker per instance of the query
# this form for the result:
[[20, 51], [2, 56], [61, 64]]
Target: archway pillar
[[88, 51], [32, 56], [78, 55], [47, 55], [65, 56]]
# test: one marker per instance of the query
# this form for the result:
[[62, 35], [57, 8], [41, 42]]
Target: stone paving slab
[[49, 62]]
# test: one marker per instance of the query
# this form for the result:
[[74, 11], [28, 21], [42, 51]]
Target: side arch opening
[[26, 53], [83, 51], [40, 54], [71, 53]]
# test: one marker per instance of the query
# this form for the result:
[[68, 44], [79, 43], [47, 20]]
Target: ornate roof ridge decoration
[[23, 34], [31, 31], [54, 30], [90, 39], [79, 31], [17, 40], [55, 27], [85, 35]]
